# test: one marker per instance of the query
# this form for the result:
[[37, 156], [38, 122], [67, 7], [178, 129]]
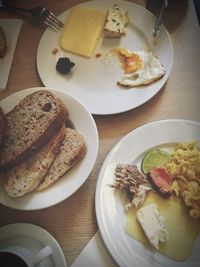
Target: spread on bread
[[3, 43], [116, 22], [38, 149], [82, 31]]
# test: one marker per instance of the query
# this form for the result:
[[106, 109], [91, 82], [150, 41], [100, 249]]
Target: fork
[[39, 12]]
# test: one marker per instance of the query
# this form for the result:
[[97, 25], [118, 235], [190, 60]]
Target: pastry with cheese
[[116, 22]]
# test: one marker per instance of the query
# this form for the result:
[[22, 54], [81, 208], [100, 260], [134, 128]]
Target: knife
[[158, 22]]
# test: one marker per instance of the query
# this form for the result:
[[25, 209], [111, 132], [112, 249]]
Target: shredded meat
[[129, 179]]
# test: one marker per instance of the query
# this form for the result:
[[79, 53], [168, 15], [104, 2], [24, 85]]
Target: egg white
[[151, 71]]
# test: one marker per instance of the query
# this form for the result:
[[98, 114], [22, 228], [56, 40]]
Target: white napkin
[[12, 29], [94, 254]]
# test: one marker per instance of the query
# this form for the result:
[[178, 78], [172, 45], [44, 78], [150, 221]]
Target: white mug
[[25, 257]]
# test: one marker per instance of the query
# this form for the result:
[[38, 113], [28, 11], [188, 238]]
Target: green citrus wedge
[[154, 158]]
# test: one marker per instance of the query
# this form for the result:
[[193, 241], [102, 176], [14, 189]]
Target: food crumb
[[55, 51], [98, 55]]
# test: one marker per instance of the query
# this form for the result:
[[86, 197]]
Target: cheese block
[[153, 224], [82, 31], [116, 22]]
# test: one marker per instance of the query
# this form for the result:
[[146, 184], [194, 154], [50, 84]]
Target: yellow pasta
[[184, 166]]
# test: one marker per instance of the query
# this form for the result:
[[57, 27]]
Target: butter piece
[[116, 22], [153, 225], [82, 31]]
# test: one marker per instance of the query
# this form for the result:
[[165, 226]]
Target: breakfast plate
[[84, 123], [94, 80], [110, 209], [33, 238]]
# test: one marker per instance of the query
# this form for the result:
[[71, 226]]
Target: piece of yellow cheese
[[82, 31]]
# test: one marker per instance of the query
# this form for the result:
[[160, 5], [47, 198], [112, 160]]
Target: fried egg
[[140, 68]]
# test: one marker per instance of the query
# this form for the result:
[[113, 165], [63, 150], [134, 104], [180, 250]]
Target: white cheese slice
[[153, 224], [116, 22]]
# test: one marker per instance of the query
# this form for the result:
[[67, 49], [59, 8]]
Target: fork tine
[[56, 19], [51, 20], [52, 25]]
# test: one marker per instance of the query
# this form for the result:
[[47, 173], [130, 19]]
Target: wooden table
[[73, 221]]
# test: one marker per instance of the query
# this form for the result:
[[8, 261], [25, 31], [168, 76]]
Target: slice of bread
[[31, 124], [72, 150], [25, 177]]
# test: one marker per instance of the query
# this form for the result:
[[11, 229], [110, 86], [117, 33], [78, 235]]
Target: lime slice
[[153, 159]]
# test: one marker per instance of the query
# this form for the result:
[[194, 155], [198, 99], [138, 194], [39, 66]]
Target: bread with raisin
[[31, 124]]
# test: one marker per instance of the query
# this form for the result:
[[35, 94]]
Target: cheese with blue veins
[[116, 22]]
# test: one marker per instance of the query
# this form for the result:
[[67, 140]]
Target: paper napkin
[[94, 254]]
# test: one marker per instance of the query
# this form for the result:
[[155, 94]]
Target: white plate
[[33, 238], [93, 80], [110, 210], [72, 180]]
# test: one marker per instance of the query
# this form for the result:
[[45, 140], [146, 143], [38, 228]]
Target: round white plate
[[110, 210], [93, 80], [73, 179], [33, 238]]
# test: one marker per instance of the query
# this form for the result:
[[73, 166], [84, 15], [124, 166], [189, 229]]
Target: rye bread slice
[[31, 124], [72, 150], [25, 177]]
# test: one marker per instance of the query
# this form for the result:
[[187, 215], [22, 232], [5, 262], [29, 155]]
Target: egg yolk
[[131, 62]]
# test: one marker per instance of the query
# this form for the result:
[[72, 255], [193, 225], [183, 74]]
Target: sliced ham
[[162, 180]]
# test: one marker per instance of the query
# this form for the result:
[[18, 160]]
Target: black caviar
[[64, 65]]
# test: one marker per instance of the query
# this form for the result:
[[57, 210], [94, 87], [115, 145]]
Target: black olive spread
[[64, 65]]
